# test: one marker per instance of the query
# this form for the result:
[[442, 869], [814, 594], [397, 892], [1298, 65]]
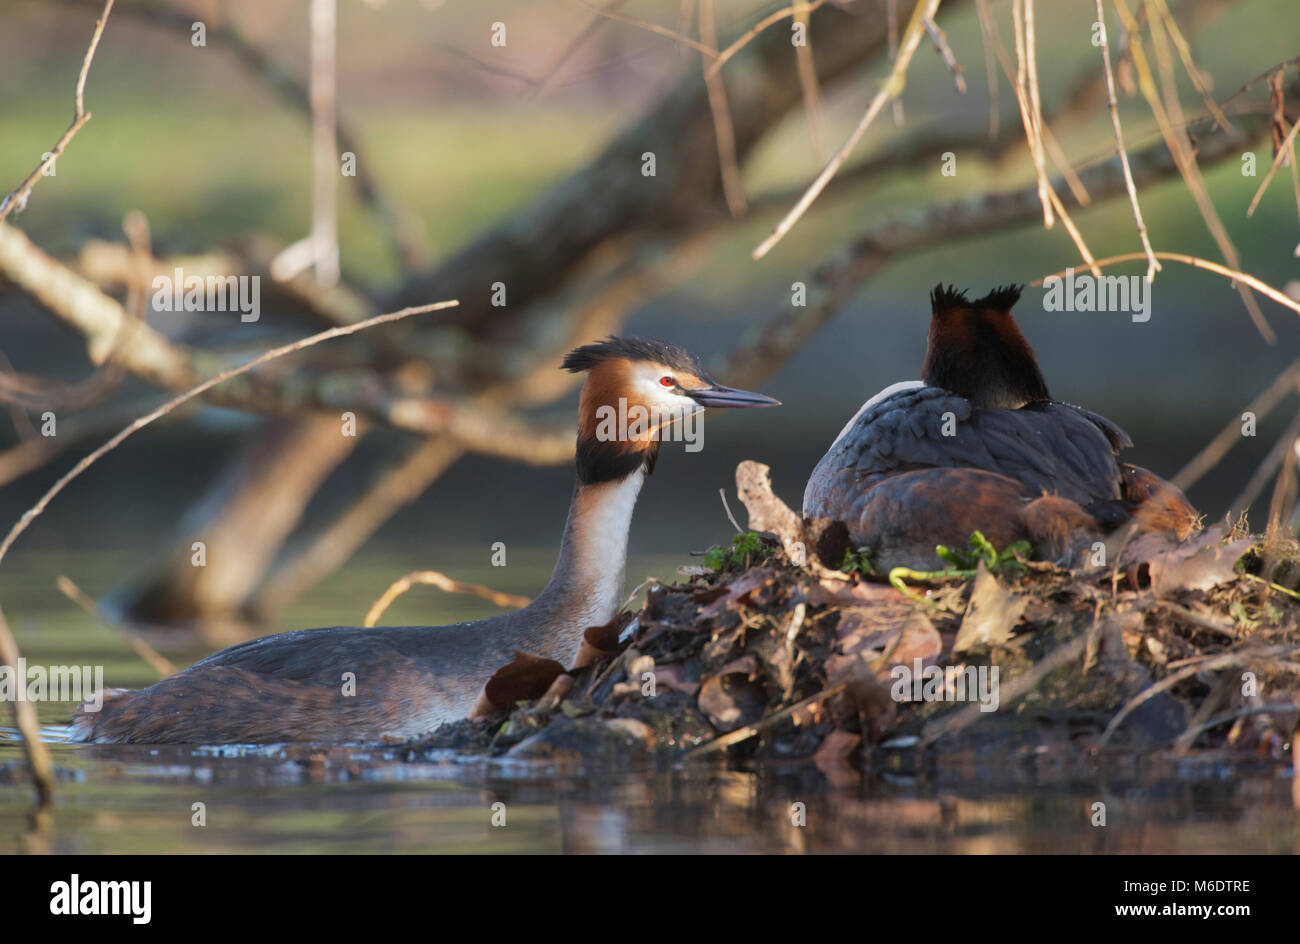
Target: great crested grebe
[[408, 680], [979, 444]]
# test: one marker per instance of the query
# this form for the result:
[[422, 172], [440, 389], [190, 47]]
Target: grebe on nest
[[410, 679], [980, 445]]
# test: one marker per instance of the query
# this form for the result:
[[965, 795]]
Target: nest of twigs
[[766, 655]]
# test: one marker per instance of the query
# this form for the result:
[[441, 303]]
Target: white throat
[[601, 526]]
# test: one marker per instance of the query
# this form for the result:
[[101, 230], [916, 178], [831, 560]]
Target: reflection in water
[[297, 799]]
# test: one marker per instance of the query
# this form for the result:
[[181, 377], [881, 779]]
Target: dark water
[[133, 800]]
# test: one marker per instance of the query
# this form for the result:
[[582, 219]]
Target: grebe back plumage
[[979, 444]]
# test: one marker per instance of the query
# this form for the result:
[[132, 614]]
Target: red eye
[[667, 382]]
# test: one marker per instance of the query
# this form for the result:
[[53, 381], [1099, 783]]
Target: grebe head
[[636, 388], [976, 350]]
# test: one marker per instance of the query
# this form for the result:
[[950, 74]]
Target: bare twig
[[17, 200], [987, 26], [324, 133], [749, 731], [442, 582], [1230, 435], [940, 39], [812, 104], [1112, 101], [555, 65], [1168, 116], [650, 27], [328, 550], [1193, 73], [86, 462], [147, 653], [727, 508], [1052, 146], [1244, 657], [1286, 148], [892, 87], [891, 26], [744, 39], [1027, 97], [24, 712], [723, 132], [769, 343], [1235, 275]]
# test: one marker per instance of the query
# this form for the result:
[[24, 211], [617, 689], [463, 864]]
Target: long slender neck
[[586, 588]]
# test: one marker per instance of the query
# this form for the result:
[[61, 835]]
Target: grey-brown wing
[[1049, 447]]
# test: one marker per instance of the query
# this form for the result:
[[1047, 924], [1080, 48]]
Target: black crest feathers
[[632, 349]]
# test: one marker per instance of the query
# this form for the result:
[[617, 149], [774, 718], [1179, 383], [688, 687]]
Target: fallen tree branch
[[86, 462]]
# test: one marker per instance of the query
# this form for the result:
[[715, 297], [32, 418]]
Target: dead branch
[[1286, 148], [607, 205], [987, 27], [32, 513], [175, 366], [329, 550]]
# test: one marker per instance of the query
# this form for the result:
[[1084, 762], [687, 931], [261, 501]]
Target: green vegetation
[[745, 551], [965, 564]]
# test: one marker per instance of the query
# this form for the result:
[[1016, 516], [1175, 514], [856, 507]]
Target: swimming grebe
[[979, 444], [354, 684]]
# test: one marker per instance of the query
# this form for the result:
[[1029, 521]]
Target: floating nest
[[776, 653]]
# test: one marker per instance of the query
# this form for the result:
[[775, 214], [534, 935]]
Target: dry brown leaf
[[1197, 564], [525, 678], [600, 642], [740, 588], [991, 615]]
